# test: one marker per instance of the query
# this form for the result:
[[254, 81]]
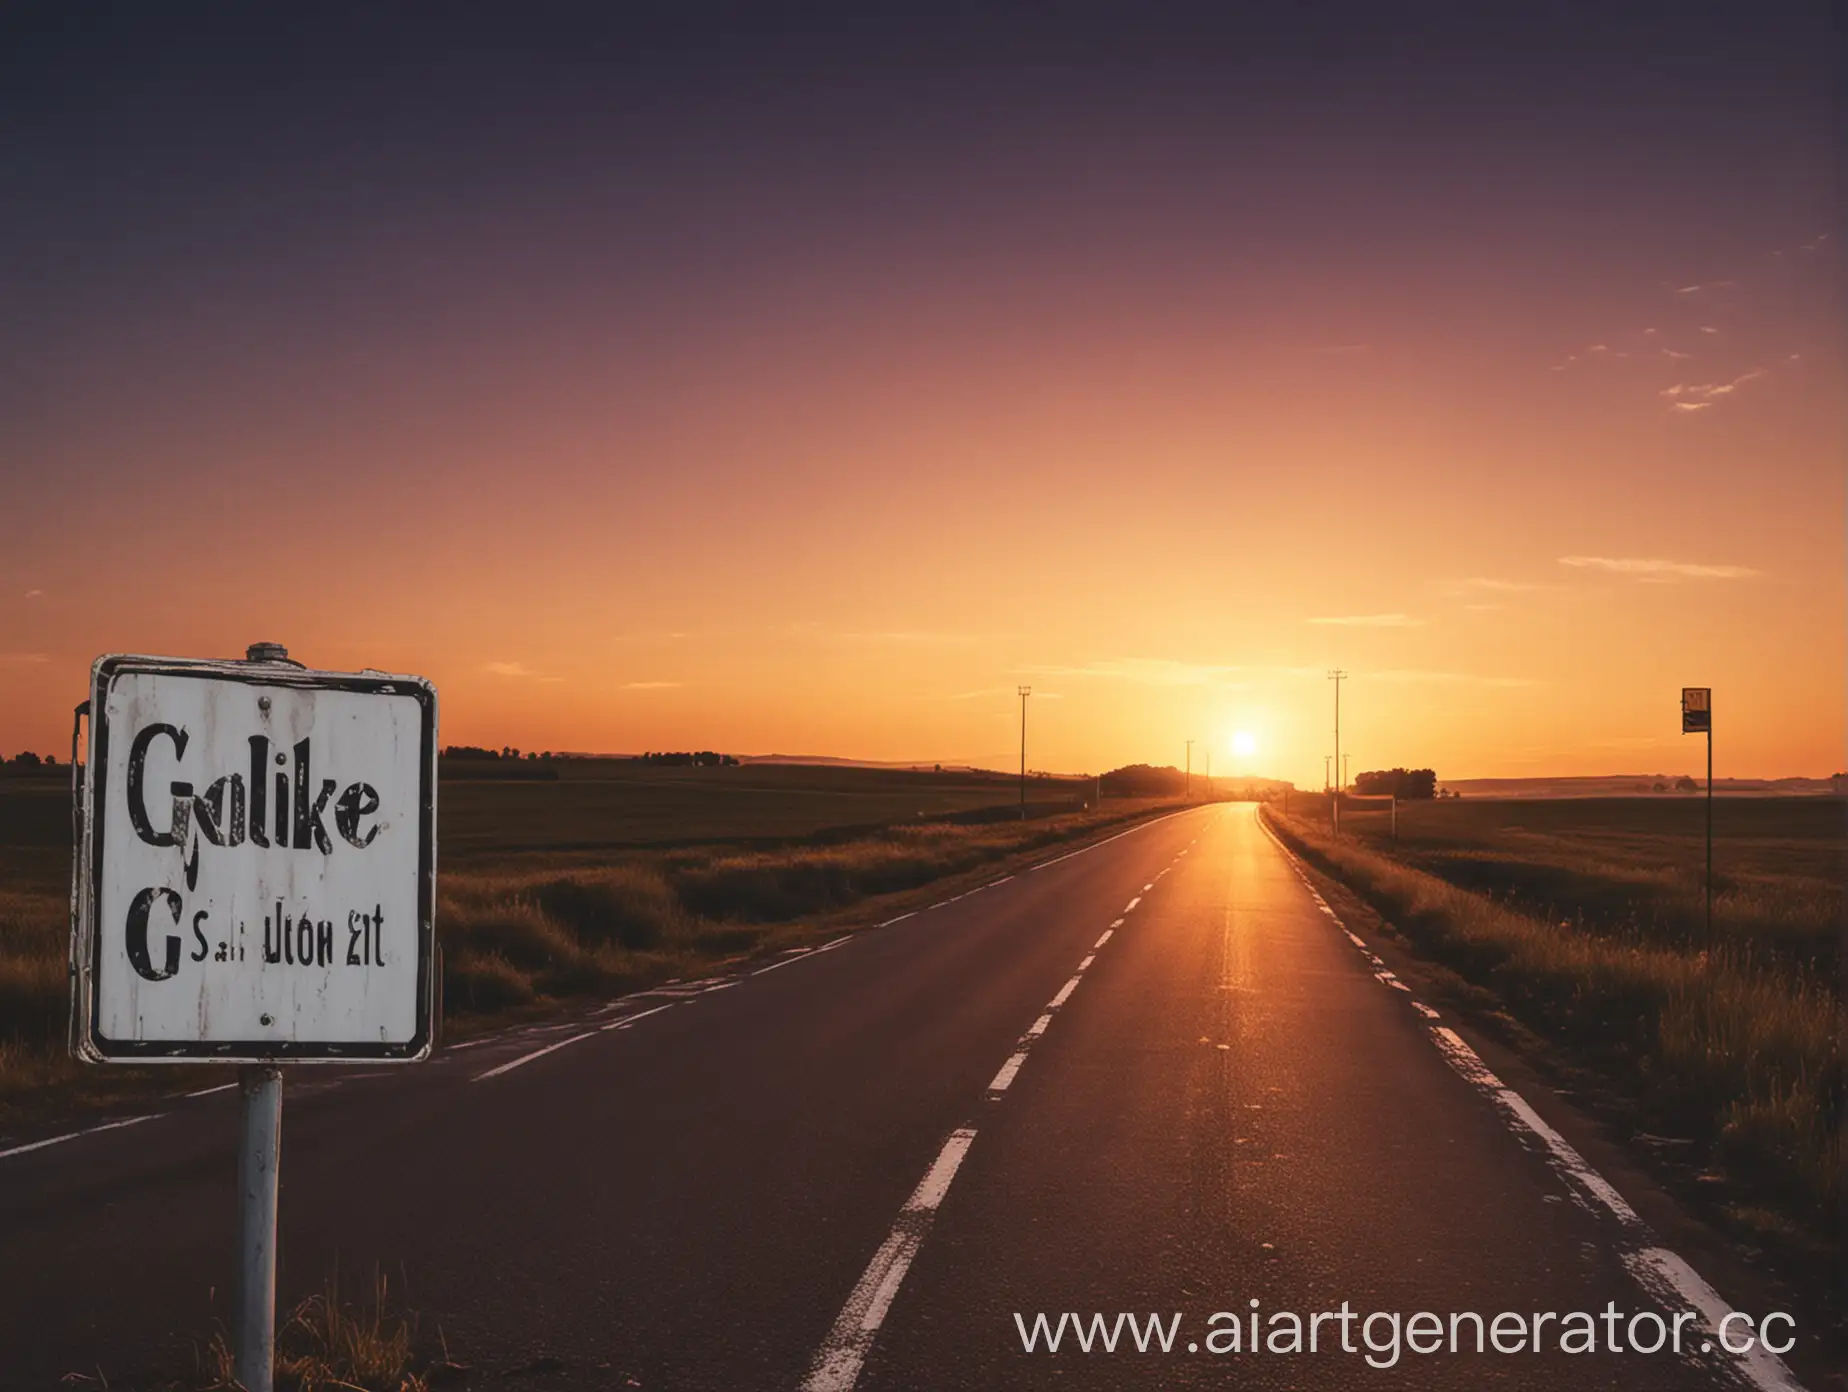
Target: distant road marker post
[[1337, 676], [289, 919], [1697, 718], [1025, 692]]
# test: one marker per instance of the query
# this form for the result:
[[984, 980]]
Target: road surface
[[1157, 1077]]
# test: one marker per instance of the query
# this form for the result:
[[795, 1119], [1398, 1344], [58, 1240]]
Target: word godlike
[[219, 813]]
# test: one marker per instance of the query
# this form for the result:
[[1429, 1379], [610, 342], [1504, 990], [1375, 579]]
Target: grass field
[[1585, 920], [611, 877], [597, 805]]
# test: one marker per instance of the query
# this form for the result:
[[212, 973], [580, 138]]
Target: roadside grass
[[1717, 1039], [327, 1344], [546, 929], [1634, 868], [529, 928]]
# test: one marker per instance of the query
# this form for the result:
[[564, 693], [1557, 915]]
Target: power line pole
[[1025, 692], [1189, 784], [1337, 676], [1325, 783], [1346, 777]]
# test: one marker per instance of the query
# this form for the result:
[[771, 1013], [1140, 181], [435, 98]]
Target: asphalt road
[[857, 1168]]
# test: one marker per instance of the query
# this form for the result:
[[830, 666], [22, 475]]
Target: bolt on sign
[[256, 868], [1696, 709]]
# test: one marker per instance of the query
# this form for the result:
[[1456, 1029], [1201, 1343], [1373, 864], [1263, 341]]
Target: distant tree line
[[1404, 784], [702, 758], [1143, 780], [475, 751], [26, 763]]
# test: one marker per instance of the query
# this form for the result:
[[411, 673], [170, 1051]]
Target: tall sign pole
[[1188, 788], [1025, 692], [1697, 718]]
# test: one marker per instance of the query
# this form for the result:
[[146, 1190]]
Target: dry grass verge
[[1734, 1049], [328, 1344]]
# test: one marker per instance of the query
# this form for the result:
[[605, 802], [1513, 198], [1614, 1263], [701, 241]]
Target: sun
[[1244, 744]]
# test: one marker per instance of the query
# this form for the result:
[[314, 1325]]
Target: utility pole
[[1337, 676], [1346, 778], [1209, 773], [1325, 783], [1189, 784], [1025, 692]]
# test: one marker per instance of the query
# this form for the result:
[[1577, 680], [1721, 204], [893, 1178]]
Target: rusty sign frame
[[87, 1042]]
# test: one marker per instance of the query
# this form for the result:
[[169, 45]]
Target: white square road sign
[[256, 870]]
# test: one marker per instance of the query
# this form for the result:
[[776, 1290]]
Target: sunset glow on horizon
[[643, 398]]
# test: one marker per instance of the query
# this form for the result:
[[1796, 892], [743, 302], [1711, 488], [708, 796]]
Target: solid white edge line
[[830, 946], [87, 1131], [842, 1354], [207, 1092], [1658, 1270], [1140, 826], [785, 962], [1664, 1275], [528, 1058], [900, 919], [628, 1020]]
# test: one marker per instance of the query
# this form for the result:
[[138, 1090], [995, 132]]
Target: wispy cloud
[[1658, 569], [1490, 584], [1703, 286], [518, 671], [649, 685], [1694, 395], [34, 594], [1370, 621]]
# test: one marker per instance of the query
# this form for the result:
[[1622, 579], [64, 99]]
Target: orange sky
[[830, 465]]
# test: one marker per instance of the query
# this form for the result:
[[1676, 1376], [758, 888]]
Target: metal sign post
[[254, 884], [259, 1161], [1697, 718]]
